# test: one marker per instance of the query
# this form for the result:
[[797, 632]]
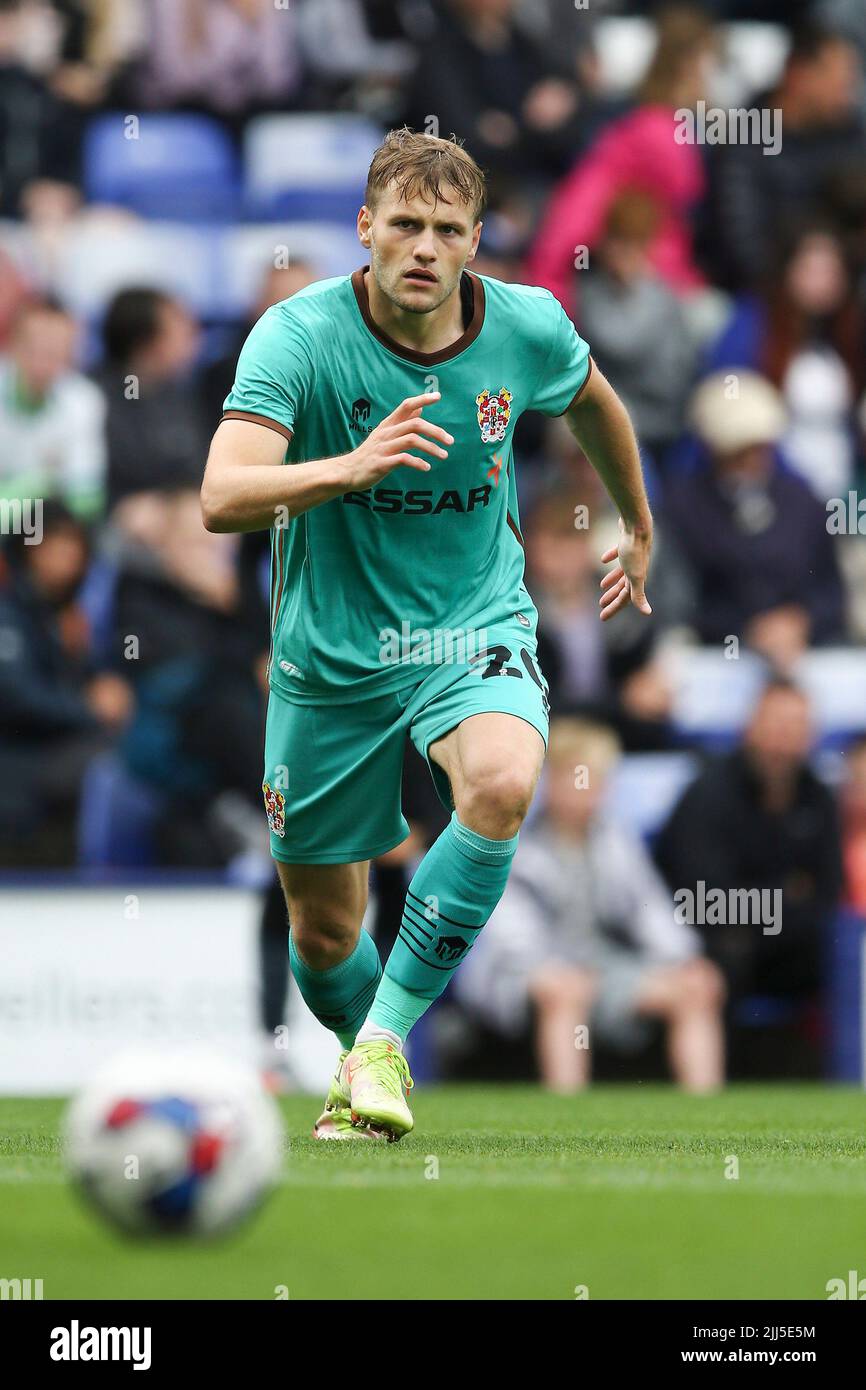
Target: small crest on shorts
[[494, 412], [275, 806], [291, 669]]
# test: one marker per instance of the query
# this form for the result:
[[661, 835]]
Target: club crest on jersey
[[275, 806], [494, 412]]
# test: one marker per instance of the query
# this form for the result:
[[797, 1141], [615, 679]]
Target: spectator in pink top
[[636, 152]]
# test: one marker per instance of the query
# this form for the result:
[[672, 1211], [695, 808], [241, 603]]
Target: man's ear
[[364, 226], [476, 237]]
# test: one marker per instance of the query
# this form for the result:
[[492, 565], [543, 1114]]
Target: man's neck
[[27, 399], [570, 833], [433, 332], [490, 34], [798, 113]]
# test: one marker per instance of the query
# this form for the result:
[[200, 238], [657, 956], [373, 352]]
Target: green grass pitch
[[622, 1190]]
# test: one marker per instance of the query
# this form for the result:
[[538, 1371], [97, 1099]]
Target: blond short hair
[[417, 164], [574, 741]]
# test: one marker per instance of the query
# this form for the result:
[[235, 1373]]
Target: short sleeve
[[275, 373], [567, 367]]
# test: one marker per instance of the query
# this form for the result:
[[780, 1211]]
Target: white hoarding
[[89, 972]]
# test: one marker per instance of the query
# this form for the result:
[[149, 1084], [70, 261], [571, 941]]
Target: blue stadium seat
[[248, 251], [96, 597], [310, 168], [97, 259], [421, 1047], [768, 1011], [713, 696], [168, 166], [646, 786], [835, 680], [846, 1015], [117, 815], [216, 270]]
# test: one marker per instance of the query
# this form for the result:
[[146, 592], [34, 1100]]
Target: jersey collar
[[470, 285]]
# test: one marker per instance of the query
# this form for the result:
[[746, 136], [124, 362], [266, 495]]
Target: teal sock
[[453, 892], [340, 997]]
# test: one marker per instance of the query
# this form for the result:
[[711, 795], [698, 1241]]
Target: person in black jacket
[[755, 197], [191, 625], [759, 818], [58, 709], [156, 430], [516, 104], [40, 132]]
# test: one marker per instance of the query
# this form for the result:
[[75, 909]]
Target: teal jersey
[[357, 582]]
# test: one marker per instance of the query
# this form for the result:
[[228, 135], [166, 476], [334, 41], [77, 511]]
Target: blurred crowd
[[723, 291]]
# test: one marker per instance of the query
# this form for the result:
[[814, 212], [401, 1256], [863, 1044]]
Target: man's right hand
[[625, 584], [389, 443], [245, 487]]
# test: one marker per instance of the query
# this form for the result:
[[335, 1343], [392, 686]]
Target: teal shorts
[[333, 771]]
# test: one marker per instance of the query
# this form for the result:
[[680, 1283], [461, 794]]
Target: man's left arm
[[600, 423]]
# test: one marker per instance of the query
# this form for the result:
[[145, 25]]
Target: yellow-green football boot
[[335, 1121], [377, 1076]]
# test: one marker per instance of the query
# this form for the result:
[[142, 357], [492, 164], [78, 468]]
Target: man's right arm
[[246, 488]]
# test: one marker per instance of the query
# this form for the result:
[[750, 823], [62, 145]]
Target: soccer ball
[[163, 1143]]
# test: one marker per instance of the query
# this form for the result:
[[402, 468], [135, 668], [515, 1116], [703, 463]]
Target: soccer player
[[398, 602]]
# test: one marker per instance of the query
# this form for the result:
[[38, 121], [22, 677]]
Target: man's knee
[[701, 985], [500, 794], [324, 921], [323, 933], [558, 986]]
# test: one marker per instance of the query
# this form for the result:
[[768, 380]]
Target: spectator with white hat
[[752, 537]]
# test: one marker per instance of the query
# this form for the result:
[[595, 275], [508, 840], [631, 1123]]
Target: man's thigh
[[332, 780], [493, 711], [483, 743]]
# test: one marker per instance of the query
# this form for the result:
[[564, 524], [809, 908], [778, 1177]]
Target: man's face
[[561, 560], [58, 565], [570, 807], [816, 278], [500, 10], [281, 284], [418, 249], [780, 733], [625, 258], [43, 349], [830, 81], [855, 788], [179, 337], [747, 465]]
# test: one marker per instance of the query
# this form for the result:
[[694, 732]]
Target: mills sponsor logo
[[360, 416]]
